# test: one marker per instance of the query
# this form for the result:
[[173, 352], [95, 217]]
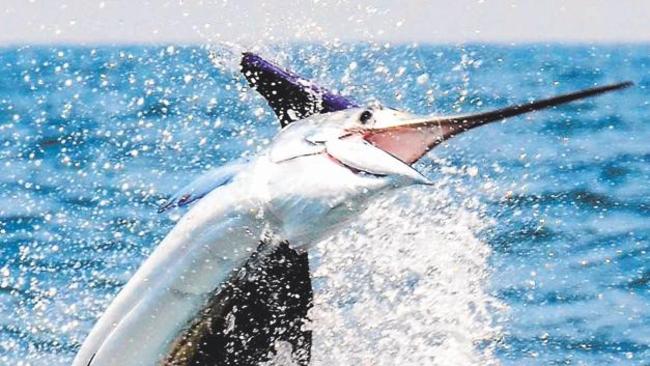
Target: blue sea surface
[[93, 139]]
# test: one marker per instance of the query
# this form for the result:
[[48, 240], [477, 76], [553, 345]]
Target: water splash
[[406, 284]]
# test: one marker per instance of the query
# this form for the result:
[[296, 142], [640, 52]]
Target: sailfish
[[231, 281]]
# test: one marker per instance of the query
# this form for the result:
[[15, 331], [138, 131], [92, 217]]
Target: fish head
[[323, 170], [377, 144], [339, 159]]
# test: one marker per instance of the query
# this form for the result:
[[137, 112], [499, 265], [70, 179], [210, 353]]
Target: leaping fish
[[231, 279]]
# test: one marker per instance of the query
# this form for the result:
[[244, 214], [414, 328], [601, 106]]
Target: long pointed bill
[[410, 140]]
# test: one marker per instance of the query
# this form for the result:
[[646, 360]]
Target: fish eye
[[365, 117]]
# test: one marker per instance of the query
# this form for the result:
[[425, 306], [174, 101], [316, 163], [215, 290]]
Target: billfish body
[[232, 277], [259, 209]]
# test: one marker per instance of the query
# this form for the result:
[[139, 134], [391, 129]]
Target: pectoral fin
[[203, 185]]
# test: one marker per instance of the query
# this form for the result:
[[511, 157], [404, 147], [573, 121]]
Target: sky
[[248, 22]]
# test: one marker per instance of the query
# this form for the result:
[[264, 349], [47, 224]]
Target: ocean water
[[531, 248]]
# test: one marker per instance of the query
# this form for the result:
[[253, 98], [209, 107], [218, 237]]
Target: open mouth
[[360, 156], [406, 143]]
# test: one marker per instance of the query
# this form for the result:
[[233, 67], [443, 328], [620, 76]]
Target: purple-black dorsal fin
[[290, 96]]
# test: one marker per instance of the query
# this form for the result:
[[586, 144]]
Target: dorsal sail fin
[[290, 96]]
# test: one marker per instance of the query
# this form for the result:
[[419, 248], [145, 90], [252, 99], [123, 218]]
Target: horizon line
[[316, 42]]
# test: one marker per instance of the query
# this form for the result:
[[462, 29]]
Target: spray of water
[[406, 284]]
